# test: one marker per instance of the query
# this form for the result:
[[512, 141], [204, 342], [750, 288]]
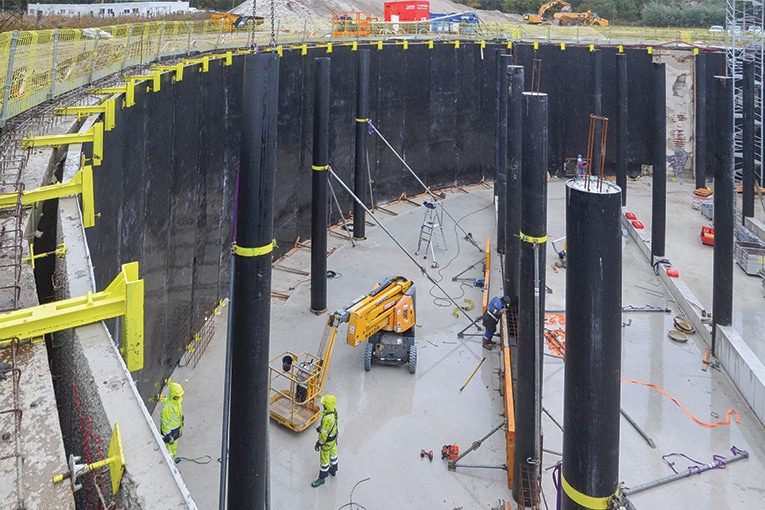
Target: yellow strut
[[60, 251], [128, 89], [80, 184], [115, 461], [106, 108], [95, 134], [123, 297]]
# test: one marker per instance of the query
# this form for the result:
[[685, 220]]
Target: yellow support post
[[430, 44], [127, 89], [205, 61], [106, 108], [60, 251], [95, 135], [379, 45], [122, 298], [81, 184]]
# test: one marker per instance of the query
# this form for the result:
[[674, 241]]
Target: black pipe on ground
[[622, 121], [515, 77], [591, 398], [724, 207], [701, 120], [747, 181], [362, 114], [597, 109], [500, 148], [528, 408], [251, 300], [659, 181], [319, 167]]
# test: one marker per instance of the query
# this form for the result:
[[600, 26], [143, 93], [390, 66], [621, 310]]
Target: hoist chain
[[252, 27], [273, 33]]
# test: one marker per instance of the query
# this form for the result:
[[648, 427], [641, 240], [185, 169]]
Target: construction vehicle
[[385, 317], [232, 22], [539, 17], [570, 19], [351, 23]]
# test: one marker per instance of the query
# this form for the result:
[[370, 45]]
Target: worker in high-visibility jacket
[[171, 426], [327, 443]]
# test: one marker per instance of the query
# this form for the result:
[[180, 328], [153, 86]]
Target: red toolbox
[[708, 235]]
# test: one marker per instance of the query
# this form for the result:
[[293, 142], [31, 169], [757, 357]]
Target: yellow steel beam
[[60, 251], [155, 77], [128, 89], [106, 108], [95, 135], [122, 298], [81, 184], [205, 61]]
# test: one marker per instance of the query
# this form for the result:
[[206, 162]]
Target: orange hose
[[673, 399]]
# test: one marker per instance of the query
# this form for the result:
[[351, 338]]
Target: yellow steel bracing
[[60, 251], [95, 135], [127, 89], [177, 68], [115, 461], [122, 298], [106, 108], [80, 184], [155, 77]]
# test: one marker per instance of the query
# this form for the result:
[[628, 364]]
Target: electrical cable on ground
[[376, 220], [204, 459], [351, 503], [468, 235]]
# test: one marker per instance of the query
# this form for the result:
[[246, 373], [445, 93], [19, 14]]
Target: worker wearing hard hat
[[491, 317], [171, 426], [327, 443]]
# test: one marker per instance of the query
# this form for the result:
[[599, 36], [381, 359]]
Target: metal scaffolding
[[745, 20]]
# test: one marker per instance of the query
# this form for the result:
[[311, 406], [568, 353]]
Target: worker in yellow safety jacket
[[327, 443], [171, 426]]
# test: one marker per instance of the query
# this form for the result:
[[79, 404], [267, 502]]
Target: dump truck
[[570, 19]]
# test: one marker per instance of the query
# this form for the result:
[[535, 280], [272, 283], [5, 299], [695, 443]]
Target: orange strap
[[673, 399]]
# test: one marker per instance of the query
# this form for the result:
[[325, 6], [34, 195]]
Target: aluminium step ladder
[[432, 221]]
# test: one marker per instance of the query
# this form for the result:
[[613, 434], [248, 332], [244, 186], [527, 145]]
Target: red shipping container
[[407, 11]]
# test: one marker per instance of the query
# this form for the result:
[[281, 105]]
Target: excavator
[[385, 317], [538, 18]]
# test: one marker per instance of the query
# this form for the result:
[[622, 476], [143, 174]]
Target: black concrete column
[[591, 394], [251, 300], [701, 120], [528, 407], [747, 199], [359, 171], [659, 182], [597, 108], [515, 78], [319, 167], [724, 206], [622, 121], [500, 149]]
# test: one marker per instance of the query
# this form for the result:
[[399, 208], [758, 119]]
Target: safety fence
[[36, 66]]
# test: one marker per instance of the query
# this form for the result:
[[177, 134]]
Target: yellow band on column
[[583, 499], [253, 252], [319, 168], [530, 239], [361, 120]]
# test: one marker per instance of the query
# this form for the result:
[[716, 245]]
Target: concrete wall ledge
[[734, 355]]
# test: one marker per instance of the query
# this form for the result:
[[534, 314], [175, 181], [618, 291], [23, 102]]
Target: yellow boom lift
[[385, 317]]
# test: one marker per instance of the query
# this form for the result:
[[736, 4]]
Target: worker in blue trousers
[[327, 443], [491, 317]]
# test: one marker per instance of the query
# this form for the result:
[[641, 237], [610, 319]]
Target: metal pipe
[[701, 120], [533, 234], [659, 179], [715, 464], [513, 201], [226, 395], [475, 445], [622, 123], [320, 165], [724, 207], [251, 302], [597, 108], [362, 112], [747, 199], [638, 428]]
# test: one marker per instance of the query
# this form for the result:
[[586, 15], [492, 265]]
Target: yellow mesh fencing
[[39, 65]]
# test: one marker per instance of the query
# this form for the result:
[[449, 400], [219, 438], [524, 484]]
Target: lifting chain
[[273, 33], [252, 27]]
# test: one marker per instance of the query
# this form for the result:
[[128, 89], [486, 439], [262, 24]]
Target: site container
[[407, 11]]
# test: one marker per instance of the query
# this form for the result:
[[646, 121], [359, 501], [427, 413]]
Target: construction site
[[219, 206]]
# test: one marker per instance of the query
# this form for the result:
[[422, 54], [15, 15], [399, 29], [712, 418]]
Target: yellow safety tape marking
[[254, 252], [531, 239], [361, 120], [319, 168], [583, 499]]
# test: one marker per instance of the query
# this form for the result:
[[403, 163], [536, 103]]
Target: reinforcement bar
[[80, 184], [122, 298]]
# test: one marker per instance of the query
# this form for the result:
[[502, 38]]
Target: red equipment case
[[407, 11]]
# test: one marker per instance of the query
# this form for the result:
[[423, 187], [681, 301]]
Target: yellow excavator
[[539, 17], [385, 317]]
